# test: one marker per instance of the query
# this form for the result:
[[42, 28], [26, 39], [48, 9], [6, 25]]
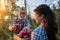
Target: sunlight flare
[[2, 5]]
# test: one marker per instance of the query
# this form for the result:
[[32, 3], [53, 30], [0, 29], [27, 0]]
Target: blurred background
[[10, 8]]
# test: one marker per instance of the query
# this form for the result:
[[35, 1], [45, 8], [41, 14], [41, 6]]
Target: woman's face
[[37, 18], [41, 20]]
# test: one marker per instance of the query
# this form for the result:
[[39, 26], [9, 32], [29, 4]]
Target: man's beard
[[21, 17]]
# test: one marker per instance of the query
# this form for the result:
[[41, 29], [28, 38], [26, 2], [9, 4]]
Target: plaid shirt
[[25, 23], [39, 34]]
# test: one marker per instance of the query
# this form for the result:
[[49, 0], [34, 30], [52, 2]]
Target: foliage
[[10, 9], [58, 22], [57, 12]]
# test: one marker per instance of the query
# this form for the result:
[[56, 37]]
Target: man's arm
[[11, 26]]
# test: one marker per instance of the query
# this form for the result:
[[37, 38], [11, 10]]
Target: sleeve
[[39, 34], [13, 22], [34, 36], [43, 35]]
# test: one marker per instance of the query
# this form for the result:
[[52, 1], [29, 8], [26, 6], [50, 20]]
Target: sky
[[32, 4]]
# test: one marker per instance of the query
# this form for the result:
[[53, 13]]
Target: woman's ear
[[42, 16]]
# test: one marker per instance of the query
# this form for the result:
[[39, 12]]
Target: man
[[20, 23]]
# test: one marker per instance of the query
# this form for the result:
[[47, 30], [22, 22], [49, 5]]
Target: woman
[[46, 20]]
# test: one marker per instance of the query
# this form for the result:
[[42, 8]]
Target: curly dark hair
[[52, 28]]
